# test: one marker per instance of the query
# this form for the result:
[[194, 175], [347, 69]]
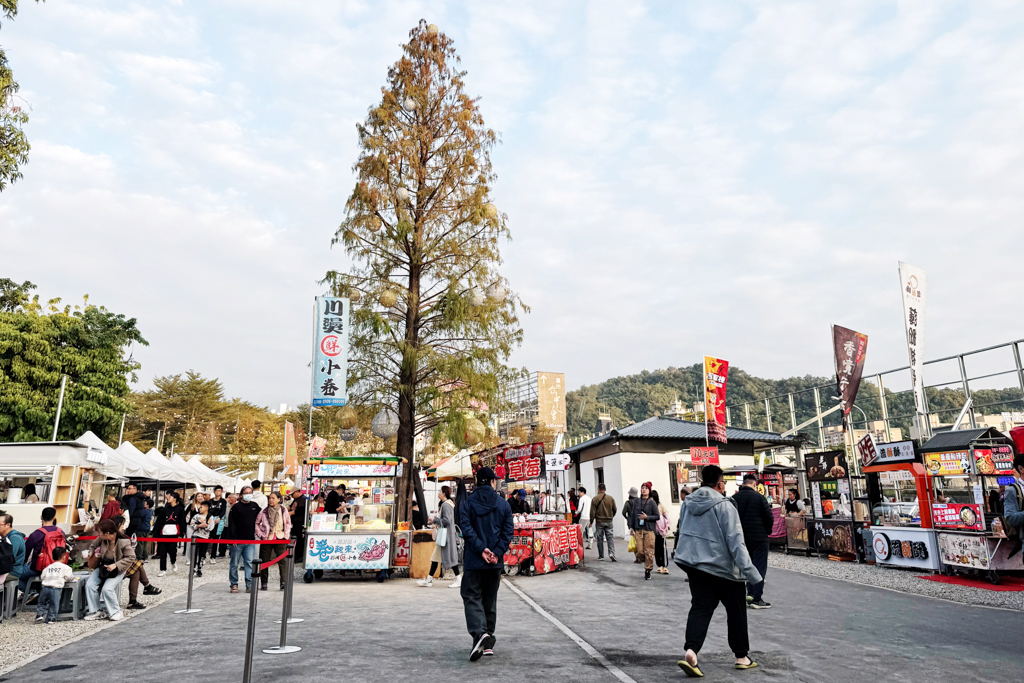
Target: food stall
[[901, 533], [543, 543], [361, 536], [965, 466], [836, 515]]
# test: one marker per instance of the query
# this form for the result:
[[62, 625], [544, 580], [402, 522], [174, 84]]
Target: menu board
[[826, 466], [348, 551], [963, 550], [948, 463], [958, 516], [322, 522], [993, 460], [333, 470], [516, 463], [832, 537]]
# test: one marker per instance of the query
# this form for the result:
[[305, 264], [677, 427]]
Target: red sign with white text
[[700, 455], [958, 516]]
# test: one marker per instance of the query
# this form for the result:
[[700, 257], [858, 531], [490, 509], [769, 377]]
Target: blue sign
[[330, 352], [1004, 481]]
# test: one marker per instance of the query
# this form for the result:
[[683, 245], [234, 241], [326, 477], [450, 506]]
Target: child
[[201, 524], [53, 577]]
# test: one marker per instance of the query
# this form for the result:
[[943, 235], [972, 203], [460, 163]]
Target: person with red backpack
[[39, 547]]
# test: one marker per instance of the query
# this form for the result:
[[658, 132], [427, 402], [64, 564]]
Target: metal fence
[[993, 377]]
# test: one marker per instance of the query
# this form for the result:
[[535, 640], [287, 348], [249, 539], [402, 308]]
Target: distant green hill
[[636, 397]]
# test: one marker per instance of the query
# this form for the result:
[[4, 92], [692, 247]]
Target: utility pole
[[60, 406], [120, 437]]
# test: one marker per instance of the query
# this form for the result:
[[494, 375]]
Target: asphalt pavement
[[818, 629]]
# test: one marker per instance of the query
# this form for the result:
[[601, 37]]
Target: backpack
[[6, 556], [52, 539]]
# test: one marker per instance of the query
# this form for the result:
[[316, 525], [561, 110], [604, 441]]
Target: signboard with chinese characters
[[947, 464], [993, 460], [348, 551], [350, 471], [850, 349], [700, 456], [716, 374], [551, 400], [524, 462], [403, 549], [958, 516], [913, 282], [964, 550], [558, 462], [867, 450], [825, 466], [330, 352], [896, 451], [905, 547], [557, 548], [832, 537]]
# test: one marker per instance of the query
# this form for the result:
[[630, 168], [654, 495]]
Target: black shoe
[[151, 590], [761, 604], [263, 586], [282, 585], [136, 605], [484, 642], [647, 575], [612, 558], [199, 572]]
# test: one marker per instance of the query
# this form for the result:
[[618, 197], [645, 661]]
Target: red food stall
[[543, 543]]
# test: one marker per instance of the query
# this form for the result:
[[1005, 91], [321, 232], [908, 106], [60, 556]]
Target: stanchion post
[[250, 633], [283, 647], [289, 589], [191, 575]]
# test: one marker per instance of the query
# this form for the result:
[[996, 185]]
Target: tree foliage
[[41, 342], [14, 145], [424, 241]]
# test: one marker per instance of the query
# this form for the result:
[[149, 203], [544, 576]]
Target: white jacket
[[583, 506]]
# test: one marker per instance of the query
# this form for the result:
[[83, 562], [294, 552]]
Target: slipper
[[752, 665], [692, 670]]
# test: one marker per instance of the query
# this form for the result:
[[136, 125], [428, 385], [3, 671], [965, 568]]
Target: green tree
[[424, 241], [14, 145], [40, 343]]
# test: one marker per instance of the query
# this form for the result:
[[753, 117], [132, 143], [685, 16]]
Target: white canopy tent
[[132, 454], [455, 467], [216, 478], [117, 464], [184, 475]]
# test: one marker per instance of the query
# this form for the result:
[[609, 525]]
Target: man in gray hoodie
[[712, 553]]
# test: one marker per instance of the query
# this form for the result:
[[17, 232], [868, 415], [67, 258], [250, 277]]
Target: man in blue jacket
[[17, 541], [486, 523]]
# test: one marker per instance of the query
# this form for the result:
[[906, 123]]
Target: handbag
[[442, 537]]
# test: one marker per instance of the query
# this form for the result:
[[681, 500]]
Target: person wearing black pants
[[218, 508], [171, 517], [706, 593], [757, 522], [486, 524]]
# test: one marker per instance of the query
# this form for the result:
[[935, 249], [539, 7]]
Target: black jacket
[[648, 507], [755, 515], [169, 514], [486, 523], [135, 505], [332, 502], [243, 520]]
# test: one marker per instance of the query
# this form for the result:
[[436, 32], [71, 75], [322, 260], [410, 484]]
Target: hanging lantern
[[354, 296], [403, 194], [348, 418], [431, 29], [374, 225], [476, 297], [490, 211], [496, 293], [388, 298], [348, 434], [409, 104], [385, 423], [475, 431]]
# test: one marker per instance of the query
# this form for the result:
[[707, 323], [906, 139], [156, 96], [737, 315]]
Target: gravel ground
[[24, 640], [903, 580]]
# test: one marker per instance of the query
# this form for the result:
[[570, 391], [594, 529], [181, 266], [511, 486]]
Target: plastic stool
[[28, 591], [8, 593]]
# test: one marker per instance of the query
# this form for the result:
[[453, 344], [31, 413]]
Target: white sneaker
[[213, 561], [161, 574], [458, 582], [174, 568], [117, 617], [95, 616], [426, 583]]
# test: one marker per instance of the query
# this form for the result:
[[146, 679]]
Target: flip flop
[[752, 665], [692, 670]]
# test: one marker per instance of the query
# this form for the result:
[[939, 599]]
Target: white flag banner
[[914, 283]]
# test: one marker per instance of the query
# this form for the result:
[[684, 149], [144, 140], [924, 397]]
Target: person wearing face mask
[[242, 526], [715, 558]]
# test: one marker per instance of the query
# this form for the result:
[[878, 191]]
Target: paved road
[[360, 630]]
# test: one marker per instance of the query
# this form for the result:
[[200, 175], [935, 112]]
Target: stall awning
[[25, 471]]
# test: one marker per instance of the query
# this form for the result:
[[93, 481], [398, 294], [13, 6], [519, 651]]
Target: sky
[[686, 178]]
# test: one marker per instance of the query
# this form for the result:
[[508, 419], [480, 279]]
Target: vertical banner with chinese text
[[716, 373], [291, 451], [330, 352], [850, 349], [913, 281]]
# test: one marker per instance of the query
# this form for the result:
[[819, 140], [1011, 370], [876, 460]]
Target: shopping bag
[[442, 537], [631, 548]]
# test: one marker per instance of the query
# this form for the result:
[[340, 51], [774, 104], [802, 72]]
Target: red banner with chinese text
[[716, 374]]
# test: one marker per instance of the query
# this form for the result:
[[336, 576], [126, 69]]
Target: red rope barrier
[[274, 561], [165, 539]]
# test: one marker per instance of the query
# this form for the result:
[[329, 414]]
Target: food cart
[[837, 511], [901, 532], [965, 466], [543, 543], [362, 537]]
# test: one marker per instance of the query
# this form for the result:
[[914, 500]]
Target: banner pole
[[284, 648], [191, 575], [250, 633]]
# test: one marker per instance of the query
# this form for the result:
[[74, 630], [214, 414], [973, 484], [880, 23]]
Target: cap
[[484, 475], [522, 494]]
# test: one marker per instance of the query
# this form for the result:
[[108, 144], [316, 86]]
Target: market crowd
[[35, 568]]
